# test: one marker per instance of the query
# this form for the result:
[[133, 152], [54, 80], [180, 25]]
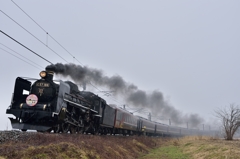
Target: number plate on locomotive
[[41, 84]]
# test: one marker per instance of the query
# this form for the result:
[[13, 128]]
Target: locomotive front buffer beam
[[25, 126]]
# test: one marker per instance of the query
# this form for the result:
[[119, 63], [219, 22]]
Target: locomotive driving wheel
[[81, 128], [65, 127], [96, 131], [57, 128], [73, 129]]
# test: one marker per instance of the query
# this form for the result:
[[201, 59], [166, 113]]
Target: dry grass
[[48, 146], [64, 146], [210, 148], [196, 147]]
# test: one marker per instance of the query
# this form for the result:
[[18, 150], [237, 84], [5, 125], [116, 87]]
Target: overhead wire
[[55, 41], [46, 32], [101, 91], [49, 36], [33, 36], [52, 38], [116, 100], [25, 46], [37, 38], [121, 103], [22, 56], [19, 58], [94, 86]]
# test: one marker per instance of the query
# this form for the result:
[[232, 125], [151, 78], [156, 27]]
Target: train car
[[161, 129], [125, 122], [108, 119], [186, 132], [148, 127], [174, 131]]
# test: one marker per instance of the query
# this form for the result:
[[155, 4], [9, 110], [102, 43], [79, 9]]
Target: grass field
[[66, 146], [196, 148]]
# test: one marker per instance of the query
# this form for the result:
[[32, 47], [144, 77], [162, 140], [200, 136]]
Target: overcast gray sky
[[188, 50]]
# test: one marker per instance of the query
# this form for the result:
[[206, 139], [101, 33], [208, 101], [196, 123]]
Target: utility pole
[[149, 116], [84, 86]]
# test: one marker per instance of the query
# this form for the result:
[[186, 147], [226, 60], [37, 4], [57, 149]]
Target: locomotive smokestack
[[50, 73]]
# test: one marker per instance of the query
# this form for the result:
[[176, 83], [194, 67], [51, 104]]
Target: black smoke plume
[[154, 101]]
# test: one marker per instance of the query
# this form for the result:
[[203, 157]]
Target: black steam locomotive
[[47, 106], [61, 107]]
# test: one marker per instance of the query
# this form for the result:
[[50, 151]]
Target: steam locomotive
[[59, 106]]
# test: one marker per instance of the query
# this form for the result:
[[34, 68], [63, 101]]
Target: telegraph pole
[[149, 116]]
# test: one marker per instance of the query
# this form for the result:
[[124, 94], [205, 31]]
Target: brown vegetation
[[38, 145], [209, 147], [64, 146]]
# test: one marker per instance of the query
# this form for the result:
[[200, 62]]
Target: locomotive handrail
[[79, 99], [76, 101]]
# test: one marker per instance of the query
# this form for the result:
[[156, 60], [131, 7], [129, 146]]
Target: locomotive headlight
[[43, 74]]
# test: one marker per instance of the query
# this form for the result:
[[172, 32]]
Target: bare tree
[[230, 120]]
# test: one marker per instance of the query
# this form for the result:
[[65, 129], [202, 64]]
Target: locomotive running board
[[79, 105]]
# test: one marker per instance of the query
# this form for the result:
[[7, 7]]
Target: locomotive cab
[[96, 102]]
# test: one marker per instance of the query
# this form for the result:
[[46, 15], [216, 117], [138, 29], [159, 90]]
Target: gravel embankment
[[13, 135]]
